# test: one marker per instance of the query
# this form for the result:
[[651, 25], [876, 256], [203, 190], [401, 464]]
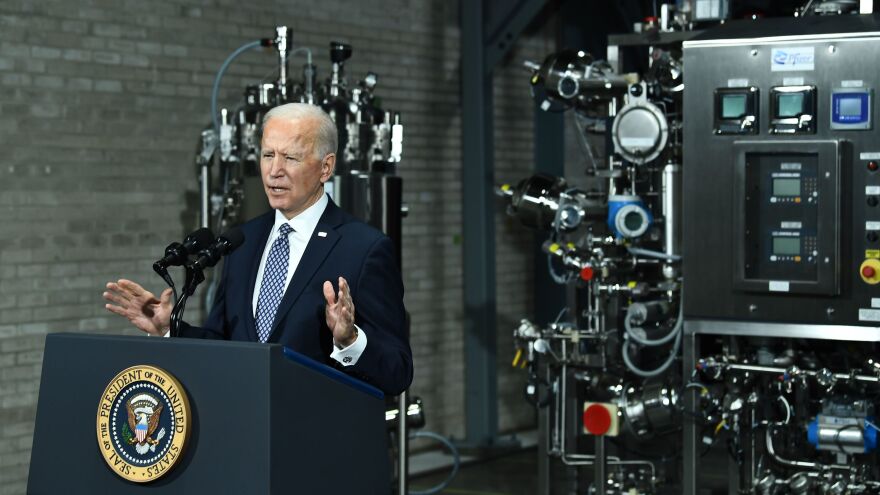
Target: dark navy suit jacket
[[350, 249]]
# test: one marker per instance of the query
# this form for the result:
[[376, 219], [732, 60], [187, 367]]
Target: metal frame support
[[480, 54], [691, 433], [481, 381], [402, 445], [549, 132]]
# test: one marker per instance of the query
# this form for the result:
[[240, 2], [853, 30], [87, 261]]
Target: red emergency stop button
[[870, 271], [597, 419], [873, 166]]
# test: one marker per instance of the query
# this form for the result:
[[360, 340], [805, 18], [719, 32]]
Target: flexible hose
[[674, 334], [630, 331], [560, 279], [215, 119], [653, 254], [303, 49], [456, 461], [651, 373]]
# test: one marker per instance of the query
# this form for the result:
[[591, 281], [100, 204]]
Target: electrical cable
[[837, 433], [585, 144], [559, 279], [787, 409], [456, 461]]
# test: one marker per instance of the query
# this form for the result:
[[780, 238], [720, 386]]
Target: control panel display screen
[[736, 110], [851, 108], [789, 104], [787, 246], [733, 106], [786, 187]]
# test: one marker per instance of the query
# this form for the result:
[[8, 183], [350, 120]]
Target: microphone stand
[[194, 276], [163, 272]]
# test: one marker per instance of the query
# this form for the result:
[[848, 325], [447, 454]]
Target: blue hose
[[456, 461], [216, 89]]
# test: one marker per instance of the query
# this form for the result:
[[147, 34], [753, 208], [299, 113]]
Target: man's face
[[293, 176]]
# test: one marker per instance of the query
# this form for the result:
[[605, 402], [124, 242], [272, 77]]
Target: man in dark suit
[[277, 286]]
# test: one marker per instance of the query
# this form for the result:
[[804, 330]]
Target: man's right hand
[[140, 306]]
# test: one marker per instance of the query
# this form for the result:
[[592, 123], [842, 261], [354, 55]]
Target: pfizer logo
[[780, 57]]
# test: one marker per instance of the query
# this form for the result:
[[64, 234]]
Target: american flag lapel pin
[[322, 234]]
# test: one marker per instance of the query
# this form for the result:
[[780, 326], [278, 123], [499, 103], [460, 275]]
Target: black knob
[[339, 52], [872, 201], [635, 90], [871, 236]]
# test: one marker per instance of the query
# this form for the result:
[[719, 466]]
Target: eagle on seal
[[143, 419]]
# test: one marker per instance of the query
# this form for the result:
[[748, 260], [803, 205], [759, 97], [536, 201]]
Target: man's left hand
[[340, 313]]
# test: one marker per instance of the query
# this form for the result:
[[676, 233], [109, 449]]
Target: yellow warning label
[[872, 253]]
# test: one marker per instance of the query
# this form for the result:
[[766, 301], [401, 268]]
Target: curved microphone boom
[[206, 258], [225, 244], [176, 253]]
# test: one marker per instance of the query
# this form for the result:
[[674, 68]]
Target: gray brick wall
[[101, 103]]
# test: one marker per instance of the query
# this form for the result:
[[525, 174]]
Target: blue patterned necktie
[[272, 287]]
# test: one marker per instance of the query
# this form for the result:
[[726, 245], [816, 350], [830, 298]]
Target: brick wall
[[101, 104]]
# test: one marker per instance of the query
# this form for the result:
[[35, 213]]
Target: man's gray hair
[[326, 136]]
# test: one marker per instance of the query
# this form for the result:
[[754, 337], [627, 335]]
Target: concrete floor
[[512, 474]]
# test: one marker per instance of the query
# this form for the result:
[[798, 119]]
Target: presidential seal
[[143, 423]]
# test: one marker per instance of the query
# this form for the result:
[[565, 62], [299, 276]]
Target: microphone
[[225, 244], [176, 253]]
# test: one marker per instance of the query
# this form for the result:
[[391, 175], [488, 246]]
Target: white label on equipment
[[778, 286], [637, 141], [708, 9], [791, 58], [789, 166], [869, 314], [875, 302], [872, 190], [793, 81], [852, 84], [872, 225], [869, 156], [737, 83], [790, 225]]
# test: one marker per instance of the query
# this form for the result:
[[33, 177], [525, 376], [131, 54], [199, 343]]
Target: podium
[[263, 420]]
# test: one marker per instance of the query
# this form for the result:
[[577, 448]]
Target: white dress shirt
[[303, 226]]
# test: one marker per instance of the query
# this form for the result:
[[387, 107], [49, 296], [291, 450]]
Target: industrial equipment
[[370, 141], [781, 253], [722, 258], [603, 374]]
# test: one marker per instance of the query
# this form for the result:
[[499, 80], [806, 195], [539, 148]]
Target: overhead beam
[[502, 35]]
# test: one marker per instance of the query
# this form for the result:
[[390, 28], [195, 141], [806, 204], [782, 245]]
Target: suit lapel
[[263, 231], [323, 239]]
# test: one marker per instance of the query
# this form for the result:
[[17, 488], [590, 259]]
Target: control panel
[[782, 190], [787, 203]]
